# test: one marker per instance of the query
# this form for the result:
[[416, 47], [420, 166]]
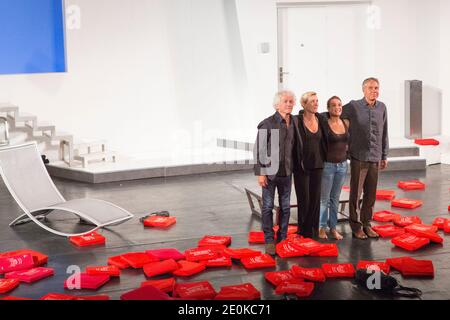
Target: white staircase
[[56, 145]]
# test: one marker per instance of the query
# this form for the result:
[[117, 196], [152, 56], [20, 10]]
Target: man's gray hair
[[370, 80], [280, 94]]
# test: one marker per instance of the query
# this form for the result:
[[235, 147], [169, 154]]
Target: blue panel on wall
[[32, 36]]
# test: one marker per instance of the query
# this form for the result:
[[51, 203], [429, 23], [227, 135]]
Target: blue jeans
[[284, 186], [333, 179]]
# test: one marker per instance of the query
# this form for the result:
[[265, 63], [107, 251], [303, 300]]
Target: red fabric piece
[[341, 270], [410, 242], [447, 226], [195, 290], [16, 263], [91, 239], [311, 274], [241, 253], [223, 261], [277, 277], [346, 188], [439, 223], [406, 203], [417, 268], [87, 281], [296, 286], [396, 263], [39, 258], [328, 250], [389, 231], [112, 271], [57, 297], [188, 268], [308, 245], [159, 222], [405, 221], [383, 266], [427, 142], [138, 260], [32, 275], [200, 254], [119, 262], [385, 216], [165, 285], [165, 254], [256, 237], [11, 298], [145, 293], [7, 285], [385, 194], [285, 249], [159, 268], [245, 291], [215, 240], [425, 231], [258, 262], [411, 185]]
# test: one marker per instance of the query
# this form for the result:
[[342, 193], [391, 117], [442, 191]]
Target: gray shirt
[[369, 140]]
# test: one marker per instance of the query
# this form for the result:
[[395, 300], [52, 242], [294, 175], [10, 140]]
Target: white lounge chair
[[27, 179]]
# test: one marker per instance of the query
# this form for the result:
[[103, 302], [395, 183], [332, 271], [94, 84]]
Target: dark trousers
[[284, 186], [364, 177], [308, 185]]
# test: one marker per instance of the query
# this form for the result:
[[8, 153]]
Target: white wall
[[154, 76]]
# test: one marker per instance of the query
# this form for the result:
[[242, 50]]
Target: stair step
[[407, 163], [23, 117], [7, 107], [59, 136], [85, 146], [103, 156], [42, 126], [404, 152]]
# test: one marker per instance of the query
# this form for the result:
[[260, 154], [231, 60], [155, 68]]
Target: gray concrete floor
[[215, 204]]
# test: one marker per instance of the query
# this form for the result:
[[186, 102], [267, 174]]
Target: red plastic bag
[[405, 221], [385, 194], [57, 297], [447, 226], [145, 293], [311, 274], [112, 271], [417, 268], [165, 254], [278, 277], [241, 253], [256, 237], [448, 208], [427, 142], [195, 290], [410, 242], [188, 268], [389, 231], [439, 223], [258, 262], [215, 240], [7, 285], [425, 231], [285, 249], [223, 261], [165, 285], [101, 297], [309, 246], [159, 268], [406, 203], [411, 185], [245, 291], [39, 258], [32, 275], [138, 259], [346, 188], [160, 222], [385, 216], [119, 262], [91, 239], [86, 281], [200, 254], [328, 250], [16, 263], [11, 298], [373, 265], [291, 229], [341, 270], [296, 286]]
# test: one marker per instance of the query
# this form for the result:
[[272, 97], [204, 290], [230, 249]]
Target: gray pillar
[[413, 109]]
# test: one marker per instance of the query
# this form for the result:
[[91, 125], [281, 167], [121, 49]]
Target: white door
[[328, 49]]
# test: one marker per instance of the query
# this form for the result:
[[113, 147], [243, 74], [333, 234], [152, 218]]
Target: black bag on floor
[[386, 284], [158, 213]]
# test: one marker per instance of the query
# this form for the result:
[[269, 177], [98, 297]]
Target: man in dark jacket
[[274, 166]]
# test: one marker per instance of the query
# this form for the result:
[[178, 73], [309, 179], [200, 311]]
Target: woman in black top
[[335, 167], [308, 160]]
